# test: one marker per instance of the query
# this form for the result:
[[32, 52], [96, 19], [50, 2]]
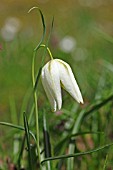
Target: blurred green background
[[82, 36]]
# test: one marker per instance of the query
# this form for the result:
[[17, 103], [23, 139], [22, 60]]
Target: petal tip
[[60, 106], [53, 110], [81, 101]]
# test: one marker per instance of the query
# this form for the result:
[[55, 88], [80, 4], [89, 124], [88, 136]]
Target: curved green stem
[[35, 97], [42, 63], [36, 108], [49, 52]]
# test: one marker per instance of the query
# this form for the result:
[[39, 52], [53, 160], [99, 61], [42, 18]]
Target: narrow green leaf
[[98, 106], [43, 24], [85, 133], [105, 163], [47, 144], [43, 56], [12, 125], [17, 127], [21, 152], [28, 140], [68, 137], [77, 154]]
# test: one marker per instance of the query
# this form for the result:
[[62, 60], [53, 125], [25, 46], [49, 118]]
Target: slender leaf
[[43, 24], [98, 106], [105, 163], [17, 127], [47, 144], [21, 152], [27, 133], [43, 56], [68, 137], [78, 154]]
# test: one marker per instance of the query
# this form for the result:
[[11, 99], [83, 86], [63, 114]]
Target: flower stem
[[50, 54], [36, 109], [35, 99]]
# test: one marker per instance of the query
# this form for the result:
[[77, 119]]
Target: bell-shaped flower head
[[57, 73]]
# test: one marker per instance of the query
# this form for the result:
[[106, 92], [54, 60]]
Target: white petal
[[53, 81], [48, 92], [68, 80]]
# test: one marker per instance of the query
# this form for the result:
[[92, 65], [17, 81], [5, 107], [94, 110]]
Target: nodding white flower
[[57, 73]]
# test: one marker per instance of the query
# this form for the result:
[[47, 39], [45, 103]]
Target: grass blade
[[43, 24], [68, 137], [78, 154], [98, 106], [21, 152], [46, 138], [47, 144], [17, 127], [105, 163], [27, 133]]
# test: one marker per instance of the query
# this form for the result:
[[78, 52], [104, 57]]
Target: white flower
[[57, 73]]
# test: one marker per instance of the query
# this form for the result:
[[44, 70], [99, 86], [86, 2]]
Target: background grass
[[90, 24]]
